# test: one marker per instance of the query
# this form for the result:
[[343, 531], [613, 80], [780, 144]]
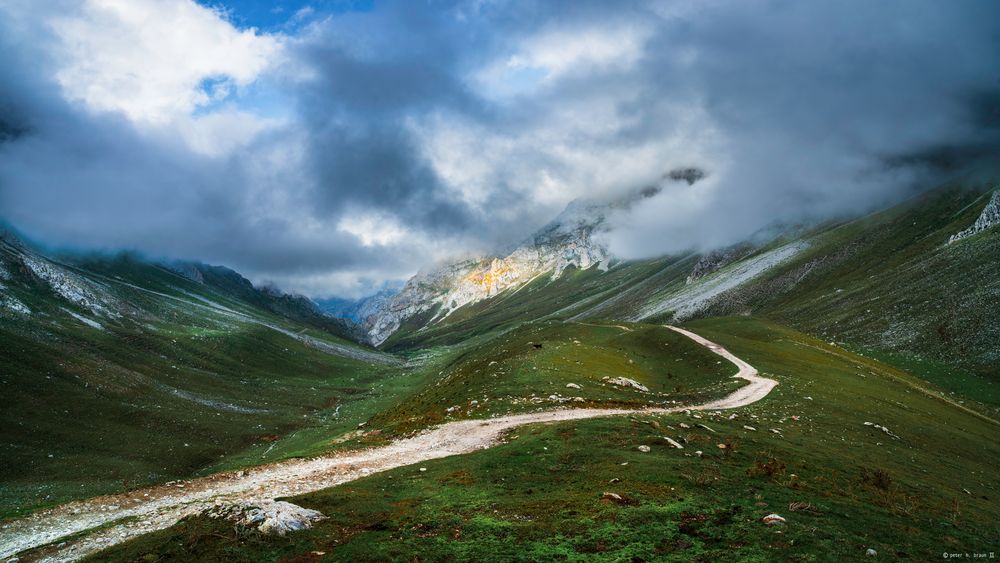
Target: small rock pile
[[270, 517]]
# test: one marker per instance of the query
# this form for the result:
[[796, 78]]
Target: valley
[[129, 377]]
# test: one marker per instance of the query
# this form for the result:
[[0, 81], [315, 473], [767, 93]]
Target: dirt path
[[124, 516]]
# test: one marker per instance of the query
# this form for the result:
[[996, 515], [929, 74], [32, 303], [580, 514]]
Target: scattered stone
[[706, 428], [723, 446], [773, 520], [776, 430], [684, 425], [809, 398], [654, 424], [267, 516], [612, 497], [882, 428], [871, 552], [673, 443], [615, 480], [422, 469], [579, 400], [644, 449], [626, 382], [698, 453], [572, 386], [750, 428]]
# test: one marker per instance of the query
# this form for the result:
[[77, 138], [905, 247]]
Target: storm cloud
[[342, 149]]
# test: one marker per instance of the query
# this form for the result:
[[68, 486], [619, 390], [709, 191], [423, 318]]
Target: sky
[[329, 146]]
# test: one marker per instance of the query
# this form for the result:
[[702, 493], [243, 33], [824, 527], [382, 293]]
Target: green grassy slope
[[529, 368], [842, 485], [889, 282], [169, 378]]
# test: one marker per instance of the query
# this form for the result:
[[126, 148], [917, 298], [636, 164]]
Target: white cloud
[[373, 229], [154, 60], [575, 150], [558, 52]]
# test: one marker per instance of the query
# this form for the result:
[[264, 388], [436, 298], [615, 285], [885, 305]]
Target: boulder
[[572, 386], [271, 517], [644, 449]]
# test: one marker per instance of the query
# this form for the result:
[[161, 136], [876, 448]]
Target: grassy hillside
[[891, 283], [529, 368], [926, 486], [888, 283], [123, 373]]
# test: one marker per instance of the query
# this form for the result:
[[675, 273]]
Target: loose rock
[[267, 516], [626, 382], [773, 520], [644, 449]]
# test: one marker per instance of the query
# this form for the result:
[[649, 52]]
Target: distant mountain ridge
[[917, 278], [84, 286], [567, 241]]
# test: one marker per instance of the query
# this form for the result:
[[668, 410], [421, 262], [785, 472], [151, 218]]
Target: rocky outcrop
[[717, 259], [568, 241], [626, 382], [988, 218], [268, 517]]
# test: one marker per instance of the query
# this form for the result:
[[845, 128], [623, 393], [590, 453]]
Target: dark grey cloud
[[440, 128]]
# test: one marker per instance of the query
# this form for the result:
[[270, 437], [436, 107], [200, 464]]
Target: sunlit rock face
[[566, 241]]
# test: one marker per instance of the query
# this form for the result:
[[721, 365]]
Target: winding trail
[[121, 517]]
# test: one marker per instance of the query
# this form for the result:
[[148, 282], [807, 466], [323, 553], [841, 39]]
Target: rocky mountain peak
[[566, 241]]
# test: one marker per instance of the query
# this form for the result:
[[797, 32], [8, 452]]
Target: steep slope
[[116, 372], [896, 281]]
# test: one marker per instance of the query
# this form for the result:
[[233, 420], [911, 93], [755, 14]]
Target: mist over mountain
[[496, 280], [328, 150]]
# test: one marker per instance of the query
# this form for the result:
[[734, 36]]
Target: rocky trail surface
[[78, 529]]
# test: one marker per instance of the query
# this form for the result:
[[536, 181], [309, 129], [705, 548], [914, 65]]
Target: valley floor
[[88, 526], [854, 453]]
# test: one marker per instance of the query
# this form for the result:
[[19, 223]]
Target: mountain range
[[120, 372]]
